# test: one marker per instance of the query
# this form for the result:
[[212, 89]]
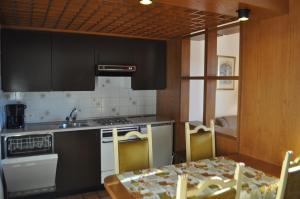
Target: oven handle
[[105, 142], [110, 141]]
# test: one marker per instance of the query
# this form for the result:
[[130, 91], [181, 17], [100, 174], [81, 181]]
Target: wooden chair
[[289, 183], [229, 189], [200, 142], [181, 186], [132, 154]]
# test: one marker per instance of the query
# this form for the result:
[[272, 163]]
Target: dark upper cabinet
[[149, 56], [73, 64], [26, 60], [150, 60], [78, 167], [113, 50], [44, 61]]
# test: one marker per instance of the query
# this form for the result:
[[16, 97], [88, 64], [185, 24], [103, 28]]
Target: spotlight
[[146, 2], [243, 14]]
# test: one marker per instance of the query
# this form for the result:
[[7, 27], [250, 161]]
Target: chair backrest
[[132, 154], [200, 142], [229, 189], [289, 183]]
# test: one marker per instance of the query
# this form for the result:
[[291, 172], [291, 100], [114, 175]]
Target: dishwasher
[[162, 143], [29, 164]]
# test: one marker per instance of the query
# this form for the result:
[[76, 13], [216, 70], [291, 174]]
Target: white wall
[[197, 58], [226, 100], [196, 100]]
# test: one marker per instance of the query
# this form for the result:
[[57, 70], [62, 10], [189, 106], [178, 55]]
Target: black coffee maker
[[15, 116]]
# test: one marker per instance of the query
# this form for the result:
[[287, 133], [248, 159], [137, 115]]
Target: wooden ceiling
[[259, 8], [114, 17]]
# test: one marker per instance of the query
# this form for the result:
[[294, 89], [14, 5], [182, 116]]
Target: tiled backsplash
[[112, 96]]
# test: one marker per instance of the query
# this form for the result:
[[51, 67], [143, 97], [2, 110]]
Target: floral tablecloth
[[161, 183]]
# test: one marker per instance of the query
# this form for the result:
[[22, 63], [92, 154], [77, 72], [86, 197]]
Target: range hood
[[115, 70]]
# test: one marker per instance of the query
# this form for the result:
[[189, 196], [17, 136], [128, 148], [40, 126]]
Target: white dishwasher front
[[32, 174], [29, 163], [162, 143]]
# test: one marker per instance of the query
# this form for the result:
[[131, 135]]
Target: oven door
[[107, 158], [30, 175], [107, 150]]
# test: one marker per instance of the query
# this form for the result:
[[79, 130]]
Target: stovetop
[[113, 121]]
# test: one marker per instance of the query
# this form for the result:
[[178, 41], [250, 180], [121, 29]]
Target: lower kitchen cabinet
[[78, 167]]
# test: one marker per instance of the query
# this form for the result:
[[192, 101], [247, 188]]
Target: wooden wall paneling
[[226, 145], [275, 94], [168, 100], [185, 52], [249, 118], [172, 92], [185, 84], [209, 100], [293, 112], [184, 100], [210, 69], [240, 90], [211, 59], [268, 120]]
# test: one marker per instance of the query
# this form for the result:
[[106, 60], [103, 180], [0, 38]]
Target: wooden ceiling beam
[[81, 32]]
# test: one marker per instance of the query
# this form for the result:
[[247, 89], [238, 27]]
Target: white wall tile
[[113, 96], [132, 110], [124, 110]]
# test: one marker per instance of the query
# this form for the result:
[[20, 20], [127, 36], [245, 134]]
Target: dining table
[[259, 179]]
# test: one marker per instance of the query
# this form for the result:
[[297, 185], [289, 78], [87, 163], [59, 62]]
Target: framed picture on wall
[[226, 66]]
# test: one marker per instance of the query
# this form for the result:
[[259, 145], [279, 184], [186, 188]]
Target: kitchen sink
[[73, 125]]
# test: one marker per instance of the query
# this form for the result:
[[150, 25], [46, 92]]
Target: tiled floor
[[90, 195]]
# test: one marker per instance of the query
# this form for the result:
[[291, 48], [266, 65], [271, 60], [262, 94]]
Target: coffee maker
[[15, 115]]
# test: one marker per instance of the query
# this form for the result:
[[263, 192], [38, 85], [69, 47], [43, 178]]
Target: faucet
[[73, 115]]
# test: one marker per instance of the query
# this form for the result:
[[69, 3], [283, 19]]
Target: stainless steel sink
[[73, 125]]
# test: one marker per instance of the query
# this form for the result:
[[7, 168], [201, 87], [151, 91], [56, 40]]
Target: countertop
[[51, 127]]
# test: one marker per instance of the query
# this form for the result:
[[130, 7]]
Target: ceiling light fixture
[[243, 14], [146, 2]]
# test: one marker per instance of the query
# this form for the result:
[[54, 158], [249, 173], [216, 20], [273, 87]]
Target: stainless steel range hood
[[115, 70]]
